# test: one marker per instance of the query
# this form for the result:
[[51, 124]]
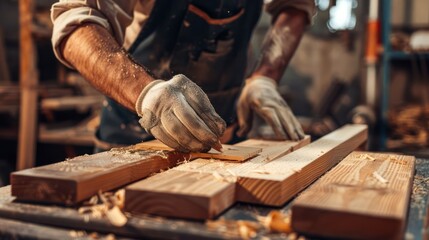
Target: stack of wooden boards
[[197, 189]]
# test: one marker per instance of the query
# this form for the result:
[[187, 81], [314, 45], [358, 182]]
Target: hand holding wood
[[179, 114]]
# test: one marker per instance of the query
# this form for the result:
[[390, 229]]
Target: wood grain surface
[[180, 194], [365, 196], [229, 152], [276, 182], [74, 180], [272, 178], [200, 189]]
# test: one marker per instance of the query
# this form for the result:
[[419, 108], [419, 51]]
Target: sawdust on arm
[[93, 51], [281, 42]]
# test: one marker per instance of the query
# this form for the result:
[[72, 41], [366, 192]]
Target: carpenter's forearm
[[99, 58], [281, 42]]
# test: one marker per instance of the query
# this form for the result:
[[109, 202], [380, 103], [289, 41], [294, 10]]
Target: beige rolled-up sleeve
[[274, 7], [67, 15]]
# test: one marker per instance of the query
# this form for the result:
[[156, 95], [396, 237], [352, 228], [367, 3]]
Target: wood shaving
[[247, 229], [116, 217], [379, 177], [367, 157], [397, 161], [105, 205], [77, 234], [277, 222]]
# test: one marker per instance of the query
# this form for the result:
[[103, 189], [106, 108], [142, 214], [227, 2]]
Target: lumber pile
[[201, 188], [204, 188], [72, 181], [364, 197]]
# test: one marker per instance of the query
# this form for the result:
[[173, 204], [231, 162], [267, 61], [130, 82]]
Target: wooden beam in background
[[28, 87], [365, 196]]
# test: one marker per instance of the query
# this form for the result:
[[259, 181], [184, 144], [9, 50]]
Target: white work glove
[[260, 96], [179, 114]]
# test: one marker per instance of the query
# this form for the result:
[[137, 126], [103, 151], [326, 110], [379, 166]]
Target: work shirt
[[205, 40], [125, 19]]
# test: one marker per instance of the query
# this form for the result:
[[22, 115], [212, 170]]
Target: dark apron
[[207, 41]]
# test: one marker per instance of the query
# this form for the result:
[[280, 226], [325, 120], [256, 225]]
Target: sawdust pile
[[106, 205]]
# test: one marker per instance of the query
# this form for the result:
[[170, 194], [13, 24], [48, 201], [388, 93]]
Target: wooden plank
[[366, 196], [180, 194], [28, 87], [276, 182], [200, 189], [232, 153], [79, 178]]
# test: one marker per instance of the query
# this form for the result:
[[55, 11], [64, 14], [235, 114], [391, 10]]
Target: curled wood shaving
[[277, 222], [379, 177], [116, 217], [247, 229], [106, 205]]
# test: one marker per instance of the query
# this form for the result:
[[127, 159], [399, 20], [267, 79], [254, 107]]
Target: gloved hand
[[179, 114], [260, 96]]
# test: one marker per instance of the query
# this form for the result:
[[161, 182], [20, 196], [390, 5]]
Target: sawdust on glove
[[260, 96], [179, 114]]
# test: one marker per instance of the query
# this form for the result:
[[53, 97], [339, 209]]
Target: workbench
[[36, 221]]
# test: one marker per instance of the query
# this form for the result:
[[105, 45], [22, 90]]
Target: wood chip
[[106, 205], [379, 177], [367, 157], [116, 217], [278, 222], [247, 229]]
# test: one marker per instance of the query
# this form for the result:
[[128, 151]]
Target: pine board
[[229, 152], [180, 194], [74, 180], [276, 182], [366, 195], [272, 178]]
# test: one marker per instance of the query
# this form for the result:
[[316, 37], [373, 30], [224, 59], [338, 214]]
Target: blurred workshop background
[[362, 61]]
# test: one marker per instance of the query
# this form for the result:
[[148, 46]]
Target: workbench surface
[[38, 221]]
